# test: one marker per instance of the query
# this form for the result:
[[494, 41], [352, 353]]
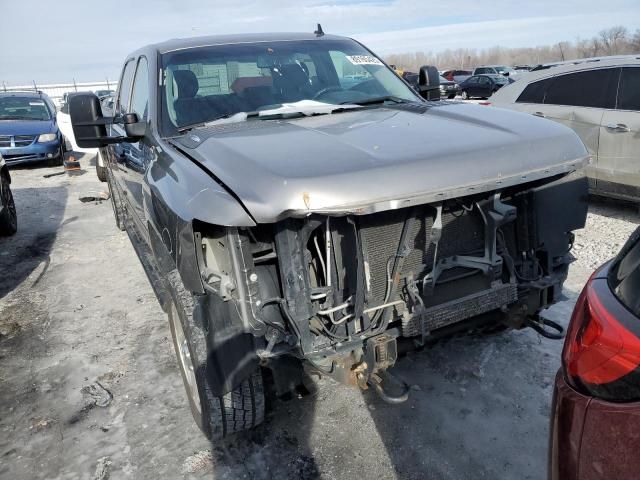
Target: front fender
[[179, 192]]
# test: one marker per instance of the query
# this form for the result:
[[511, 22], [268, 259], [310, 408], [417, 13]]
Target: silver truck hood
[[382, 158]]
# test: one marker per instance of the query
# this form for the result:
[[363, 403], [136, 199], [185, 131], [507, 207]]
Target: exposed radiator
[[380, 234]]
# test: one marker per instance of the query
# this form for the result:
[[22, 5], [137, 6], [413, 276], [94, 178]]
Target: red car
[[595, 422]]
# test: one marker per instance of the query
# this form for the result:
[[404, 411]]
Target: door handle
[[617, 127], [539, 114]]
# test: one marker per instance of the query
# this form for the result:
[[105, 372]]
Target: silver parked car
[[600, 100]]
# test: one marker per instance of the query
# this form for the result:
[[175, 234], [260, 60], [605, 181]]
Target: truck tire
[[8, 218], [217, 417], [116, 203], [58, 160], [101, 171]]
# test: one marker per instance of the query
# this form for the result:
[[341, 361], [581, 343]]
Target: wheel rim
[[7, 201], [184, 357]]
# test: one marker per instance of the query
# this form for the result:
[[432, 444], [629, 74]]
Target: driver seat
[[292, 82]]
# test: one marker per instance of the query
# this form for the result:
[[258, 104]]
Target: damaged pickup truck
[[300, 209]]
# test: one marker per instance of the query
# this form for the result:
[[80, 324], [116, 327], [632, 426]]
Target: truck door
[[136, 156], [619, 153], [578, 100], [117, 152]]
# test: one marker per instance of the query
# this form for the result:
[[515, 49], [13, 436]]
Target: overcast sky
[[56, 41]]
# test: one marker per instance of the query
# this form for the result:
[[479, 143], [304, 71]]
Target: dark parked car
[[448, 88], [8, 217], [29, 129], [104, 93], [293, 221], [595, 423], [483, 86]]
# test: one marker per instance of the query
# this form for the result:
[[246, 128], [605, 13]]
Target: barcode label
[[364, 60]]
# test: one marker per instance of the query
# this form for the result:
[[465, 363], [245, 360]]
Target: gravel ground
[[91, 389]]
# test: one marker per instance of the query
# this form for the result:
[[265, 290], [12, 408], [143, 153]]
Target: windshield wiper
[[376, 100], [186, 128]]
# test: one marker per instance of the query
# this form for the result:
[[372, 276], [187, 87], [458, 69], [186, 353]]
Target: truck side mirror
[[134, 128], [90, 126], [429, 83]]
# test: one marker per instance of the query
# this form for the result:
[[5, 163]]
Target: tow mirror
[[429, 83], [90, 126]]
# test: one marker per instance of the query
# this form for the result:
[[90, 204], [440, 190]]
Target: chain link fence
[[56, 91]]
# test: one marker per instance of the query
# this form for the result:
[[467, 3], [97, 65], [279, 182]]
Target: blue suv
[[29, 129]]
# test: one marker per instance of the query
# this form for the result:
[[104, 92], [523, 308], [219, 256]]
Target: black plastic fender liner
[[231, 352]]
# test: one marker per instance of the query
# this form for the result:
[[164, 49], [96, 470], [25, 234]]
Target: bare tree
[[611, 38], [583, 48], [563, 47], [611, 41], [634, 42]]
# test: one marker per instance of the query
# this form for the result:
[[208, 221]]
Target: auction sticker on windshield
[[363, 60]]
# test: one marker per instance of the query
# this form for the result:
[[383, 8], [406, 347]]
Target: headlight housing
[[47, 137]]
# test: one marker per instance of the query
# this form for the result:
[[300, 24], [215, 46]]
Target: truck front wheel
[[217, 416]]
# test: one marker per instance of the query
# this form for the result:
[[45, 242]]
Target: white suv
[[600, 100]]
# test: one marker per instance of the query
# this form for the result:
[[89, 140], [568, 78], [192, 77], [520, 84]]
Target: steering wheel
[[326, 90]]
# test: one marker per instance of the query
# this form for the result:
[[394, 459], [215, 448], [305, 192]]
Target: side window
[[484, 80], [593, 88], [480, 70], [125, 87], [140, 95], [474, 80], [629, 91], [534, 92]]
